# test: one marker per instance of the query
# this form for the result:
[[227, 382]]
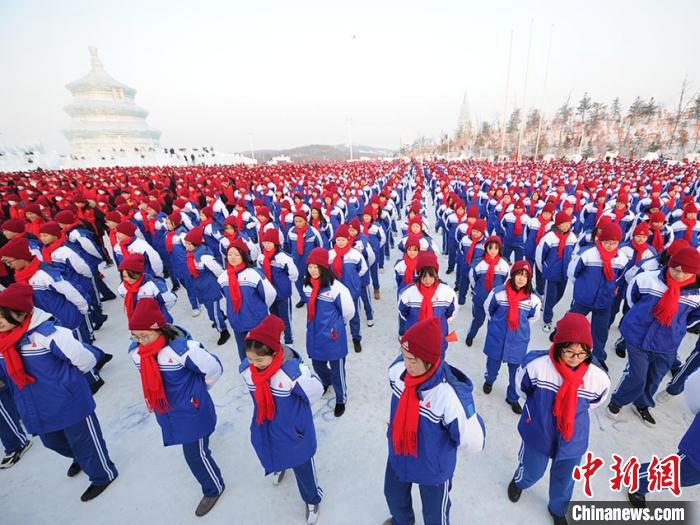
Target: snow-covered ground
[[155, 485]]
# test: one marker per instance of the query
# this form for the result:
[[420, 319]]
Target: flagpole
[[505, 97], [544, 89], [527, 73]]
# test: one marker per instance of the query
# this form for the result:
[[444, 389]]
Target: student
[[361, 243], [537, 228], [44, 365], [205, 271], [432, 418], [330, 308], [176, 255], [489, 272], [302, 240], [282, 428], [595, 272], [405, 268], [349, 267], [377, 239], [514, 226], [654, 328], [176, 375], [510, 310], [280, 270], [470, 253], [127, 243], [137, 285], [553, 256], [688, 227], [560, 387], [247, 292]]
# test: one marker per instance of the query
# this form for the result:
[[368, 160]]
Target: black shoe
[[613, 411], [109, 297], [99, 323], [106, 358], [94, 387], [469, 341], [638, 501], [300, 304], [558, 520], [74, 470], [448, 272], [339, 409], [223, 337], [206, 504], [94, 490], [621, 352], [487, 388], [514, 491], [325, 389], [175, 288], [645, 416], [357, 345], [11, 459], [515, 407]]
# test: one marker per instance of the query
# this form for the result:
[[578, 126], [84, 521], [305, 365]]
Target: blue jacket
[[510, 238], [639, 326], [288, 440], [58, 297], [206, 287], [178, 256], [312, 239], [154, 288], [284, 273], [354, 269], [448, 422], [326, 338], [257, 294], [477, 278], [60, 397], [444, 307], [690, 443], [503, 344], [538, 382], [547, 258], [591, 288], [533, 226], [464, 266], [188, 371]]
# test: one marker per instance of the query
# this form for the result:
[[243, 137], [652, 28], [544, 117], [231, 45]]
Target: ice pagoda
[[104, 117]]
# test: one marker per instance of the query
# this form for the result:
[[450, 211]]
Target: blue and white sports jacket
[[508, 226], [444, 307], [154, 264], [289, 440], [503, 344], [354, 269], [640, 328], [533, 227], [188, 372], [538, 383], [284, 273], [312, 239], [690, 442], [591, 288], [477, 276], [680, 230], [58, 297], [257, 294], [326, 338], [448, 422], [206, 286], [165, 298], [547, 258], [60, 397]]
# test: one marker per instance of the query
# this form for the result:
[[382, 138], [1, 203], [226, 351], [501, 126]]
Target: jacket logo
[[281, 385], [427, 405], [170, 360]]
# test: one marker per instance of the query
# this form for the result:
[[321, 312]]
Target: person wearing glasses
[[432, 417], [560, 386], [176, 375]]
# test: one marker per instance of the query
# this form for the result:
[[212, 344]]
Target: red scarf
[[639, 250], [338, 261], [409, 273], [132, 291], [264, 401], [665, 310], [113, 238], [566, 401], [689, 225], [192, 264], [124, 246], [657, 239], [491, 271], [149, 225], [518, 228], [404, 428], [169, 241], [239, 221], [365, 226], [12, 357], [151, 380], [577, 204], [316, 222], [619, 214], [607, 258], [470, 251], [234, 287], [267, 262], [301, 239], [34, 226], [599, 212], [26, 273], [311, 308], [562, 241], [426, 307], [48, 250], [540, 232], [514, 299]]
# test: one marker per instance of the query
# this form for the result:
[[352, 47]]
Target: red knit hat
[[473, 211], [268, 332], [147, 315], [494, 238], [676, 246], [424, 340], [17, 248], [319, 257], [271, 235], [65, 217], [658, 216], [302, 214], [134, 262], [548, 208], [155, 206], [50, 228], [18, 297], [521, 265], [239, 244], [641, 229], [688, 259], [427, 260], [342, 231], [195, 236], [114, 216], [32, 207], [561, 217], [176, 218], [127, 228], [573, 328], [480, 225], [610, 231], [13, 225], [355, 224], [412, 241]]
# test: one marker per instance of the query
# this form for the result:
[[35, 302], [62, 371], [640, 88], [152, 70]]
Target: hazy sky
[[291, 72]]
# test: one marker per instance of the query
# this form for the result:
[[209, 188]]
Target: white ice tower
[[104, 117]]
